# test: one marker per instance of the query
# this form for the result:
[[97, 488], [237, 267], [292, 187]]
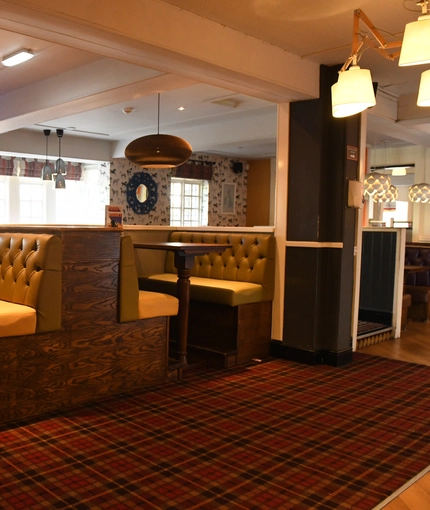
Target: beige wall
[[258, 193]]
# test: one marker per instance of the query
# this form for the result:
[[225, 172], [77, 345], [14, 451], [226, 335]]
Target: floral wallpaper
[[121, 171]]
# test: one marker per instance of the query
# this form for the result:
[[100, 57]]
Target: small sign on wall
[[352, 153]]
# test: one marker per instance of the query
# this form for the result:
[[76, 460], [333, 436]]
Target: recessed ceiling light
[[181, 108], [17, 58]]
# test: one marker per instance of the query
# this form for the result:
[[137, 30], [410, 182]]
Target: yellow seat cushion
[[211, 290], [155, 304], [16, 320]]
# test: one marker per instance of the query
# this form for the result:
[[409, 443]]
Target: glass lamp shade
[[376, 183], [424, 90], [390, 195], [47, 173], [415, 47], [420, 193], [60, 181], [352, 93], [158, 151]]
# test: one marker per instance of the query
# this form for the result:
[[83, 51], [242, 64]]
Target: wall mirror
[[142, 193]]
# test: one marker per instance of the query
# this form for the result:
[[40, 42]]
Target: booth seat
[[417, 283], [30, 284], [231, 295], [95, 334], [135, 304]]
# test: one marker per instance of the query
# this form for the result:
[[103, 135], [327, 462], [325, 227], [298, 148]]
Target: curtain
[[194, 170], [33, 168], [6, 166]]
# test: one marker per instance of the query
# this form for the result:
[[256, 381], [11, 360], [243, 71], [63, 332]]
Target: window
[[3, 200], [29, 200], [189, 202]]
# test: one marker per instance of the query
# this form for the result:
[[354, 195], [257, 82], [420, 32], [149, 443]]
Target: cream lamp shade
[[420, 193], [424, 90], [376, 183], [390, 195], [415, 47], [352, 93]]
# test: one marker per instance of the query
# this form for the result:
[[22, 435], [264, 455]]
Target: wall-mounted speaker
[[237, 167]]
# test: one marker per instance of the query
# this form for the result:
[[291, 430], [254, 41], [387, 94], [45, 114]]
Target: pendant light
[[158, 151], [420, 193], [376, 183], [390, 195], [60, 167], [415, 46], [46, 170]]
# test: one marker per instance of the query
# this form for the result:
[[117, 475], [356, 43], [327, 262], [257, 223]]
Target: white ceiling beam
[[64, 95], [162, 37]]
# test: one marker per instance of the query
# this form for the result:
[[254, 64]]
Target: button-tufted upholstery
[[235, 276], [30, 283], [417, 283], [417, 256]]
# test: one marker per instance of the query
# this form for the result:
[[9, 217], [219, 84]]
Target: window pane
[[176, 201], [175, 214], [37, 209], [176, 188], [25, 209]]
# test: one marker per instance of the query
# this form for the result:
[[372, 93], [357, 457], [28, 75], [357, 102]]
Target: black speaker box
[[237, 167]]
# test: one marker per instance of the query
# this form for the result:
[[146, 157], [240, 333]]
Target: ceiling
[[85, 92]]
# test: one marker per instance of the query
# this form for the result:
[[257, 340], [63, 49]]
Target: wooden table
[[184, 254]]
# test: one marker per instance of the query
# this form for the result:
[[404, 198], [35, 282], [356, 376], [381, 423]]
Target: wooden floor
[[412, 346]]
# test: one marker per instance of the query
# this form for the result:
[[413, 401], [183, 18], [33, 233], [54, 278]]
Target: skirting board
[[323, 357]]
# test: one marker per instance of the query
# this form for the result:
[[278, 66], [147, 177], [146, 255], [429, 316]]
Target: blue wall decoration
[[145, 179]]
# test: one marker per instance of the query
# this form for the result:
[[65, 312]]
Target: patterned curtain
[[194, 170], [6, 166], [33, 168]]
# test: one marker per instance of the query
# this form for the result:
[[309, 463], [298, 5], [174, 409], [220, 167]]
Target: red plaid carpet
[[277, 435]]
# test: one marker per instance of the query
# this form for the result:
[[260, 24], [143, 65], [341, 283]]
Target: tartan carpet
[[274, 435]]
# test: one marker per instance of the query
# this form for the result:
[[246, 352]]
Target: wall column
[[320, 231]]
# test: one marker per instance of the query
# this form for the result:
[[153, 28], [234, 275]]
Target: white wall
[[33, 143], [420, 157]]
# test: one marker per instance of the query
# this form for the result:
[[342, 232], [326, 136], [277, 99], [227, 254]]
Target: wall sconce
[[424, 90], [420, 193], [415, 48], [353, 92]]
